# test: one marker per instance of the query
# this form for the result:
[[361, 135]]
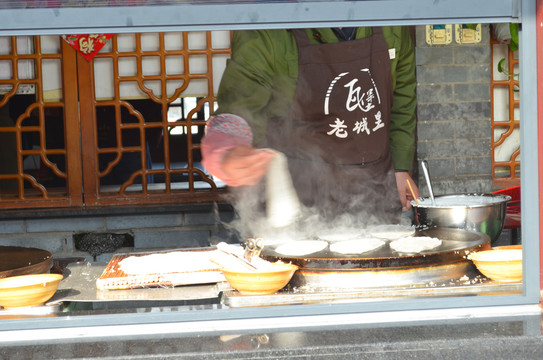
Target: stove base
[[465, 286], [381, 277]]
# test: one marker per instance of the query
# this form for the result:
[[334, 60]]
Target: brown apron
[[336, 134]]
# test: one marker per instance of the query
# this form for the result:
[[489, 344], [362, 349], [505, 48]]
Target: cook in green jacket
[[260, 84]]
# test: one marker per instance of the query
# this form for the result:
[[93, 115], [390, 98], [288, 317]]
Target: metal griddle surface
[[17, 260], [456, 245]]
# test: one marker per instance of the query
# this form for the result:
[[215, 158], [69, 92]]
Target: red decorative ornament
[[87, 45]]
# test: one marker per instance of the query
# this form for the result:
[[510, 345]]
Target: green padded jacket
[[259, 81]]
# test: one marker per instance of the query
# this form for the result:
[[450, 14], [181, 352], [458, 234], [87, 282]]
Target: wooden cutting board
[[161, 269]]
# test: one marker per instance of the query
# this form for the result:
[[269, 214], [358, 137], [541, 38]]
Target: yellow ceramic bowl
[[266, 281], [503, 265], [28, 290]]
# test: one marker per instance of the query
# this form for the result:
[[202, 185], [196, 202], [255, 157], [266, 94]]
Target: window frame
[[211, 16]]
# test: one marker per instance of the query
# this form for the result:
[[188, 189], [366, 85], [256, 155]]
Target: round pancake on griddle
[[415, 244], [301, 247], [391, 231], [356, 246]]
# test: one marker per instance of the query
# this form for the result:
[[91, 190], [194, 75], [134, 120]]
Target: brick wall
[[186, 228], [454, 114]]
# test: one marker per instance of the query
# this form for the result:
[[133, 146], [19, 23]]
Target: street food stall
[[326, 272]]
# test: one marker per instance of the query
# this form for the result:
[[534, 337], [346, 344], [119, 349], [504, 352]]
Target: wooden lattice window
[[505, 145], [142, 149], [121, 129], [40, 164]]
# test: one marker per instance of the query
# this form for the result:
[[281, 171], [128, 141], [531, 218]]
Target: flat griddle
[[17, 260], [456, 245]]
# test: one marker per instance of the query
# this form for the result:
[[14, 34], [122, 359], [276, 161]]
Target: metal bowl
[[484, 213]]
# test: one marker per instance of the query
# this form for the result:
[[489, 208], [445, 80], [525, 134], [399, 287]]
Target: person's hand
[[403, 189], [246, 165]]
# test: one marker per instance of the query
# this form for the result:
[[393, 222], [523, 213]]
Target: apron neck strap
[[301, 36], [302, 39]]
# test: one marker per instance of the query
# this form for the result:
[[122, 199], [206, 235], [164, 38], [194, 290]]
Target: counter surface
[[503, 337]]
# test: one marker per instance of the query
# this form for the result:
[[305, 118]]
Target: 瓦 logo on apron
[[358, 100]]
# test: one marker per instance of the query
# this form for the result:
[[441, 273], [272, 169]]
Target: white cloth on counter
[[167, 262], [282, 203]]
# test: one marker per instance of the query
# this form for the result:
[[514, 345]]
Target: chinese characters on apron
[[336, 135]]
